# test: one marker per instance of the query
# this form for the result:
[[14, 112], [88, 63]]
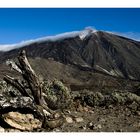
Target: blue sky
[[17, 25]]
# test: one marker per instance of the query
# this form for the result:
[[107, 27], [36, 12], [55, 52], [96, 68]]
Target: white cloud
[[92, 28], [86, 31], [9, 47]]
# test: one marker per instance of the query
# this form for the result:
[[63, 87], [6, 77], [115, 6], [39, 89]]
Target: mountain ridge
[[89, 49]]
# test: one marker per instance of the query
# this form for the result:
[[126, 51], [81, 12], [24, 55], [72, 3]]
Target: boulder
[[79, 119], [21, 121], [69, 119], [2, 129]]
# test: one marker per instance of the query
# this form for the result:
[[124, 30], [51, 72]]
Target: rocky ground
[[101, 119], [120, 116], [118, 111], [32, 104], [84, 119]]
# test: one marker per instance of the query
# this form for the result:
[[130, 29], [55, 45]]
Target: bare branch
[[13, 66], [15, 83]]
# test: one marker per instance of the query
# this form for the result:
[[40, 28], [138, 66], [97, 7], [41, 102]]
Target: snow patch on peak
[[88, 31]]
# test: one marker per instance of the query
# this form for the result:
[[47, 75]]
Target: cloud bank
[[82, 34], [9, 47]]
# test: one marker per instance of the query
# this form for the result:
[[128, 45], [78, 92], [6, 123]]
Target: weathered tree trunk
[[31, 78]]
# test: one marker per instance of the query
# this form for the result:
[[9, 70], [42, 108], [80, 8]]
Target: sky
[[22, 24]]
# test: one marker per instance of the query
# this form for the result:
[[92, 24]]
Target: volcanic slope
[[80, 57]]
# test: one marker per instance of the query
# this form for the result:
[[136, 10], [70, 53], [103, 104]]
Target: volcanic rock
[[22, 121]]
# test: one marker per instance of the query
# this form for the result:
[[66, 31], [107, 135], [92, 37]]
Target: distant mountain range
[[71, 55]]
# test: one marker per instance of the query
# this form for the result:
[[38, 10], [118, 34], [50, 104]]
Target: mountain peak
[[87, 32], [87, 49]]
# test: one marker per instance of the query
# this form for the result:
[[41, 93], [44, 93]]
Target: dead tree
[[29, 76], [30, 90], [34, 85]]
